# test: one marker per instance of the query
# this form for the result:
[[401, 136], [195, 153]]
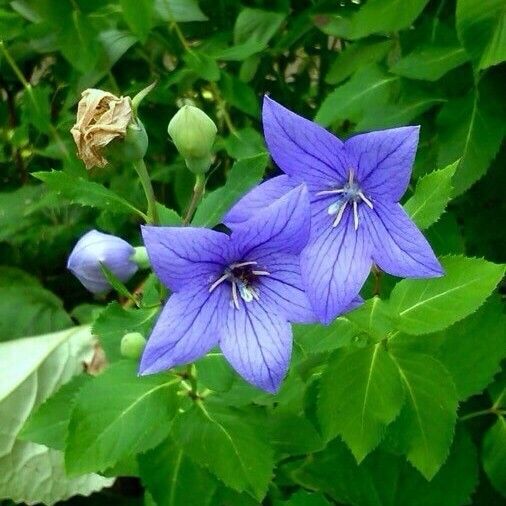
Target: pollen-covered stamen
[[350, 193], [243, 279]]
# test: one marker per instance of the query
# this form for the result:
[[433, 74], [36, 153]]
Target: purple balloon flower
[[238, 291], [356, 219], [95, 248]]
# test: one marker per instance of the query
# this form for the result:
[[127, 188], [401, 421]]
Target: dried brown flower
[[101, 118]]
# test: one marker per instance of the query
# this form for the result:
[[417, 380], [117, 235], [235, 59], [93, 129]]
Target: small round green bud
[[132, 147], [193, 133], [132, 345]]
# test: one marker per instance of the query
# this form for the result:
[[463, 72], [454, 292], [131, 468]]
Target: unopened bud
[[95, 249], [193, 133], [132, 345]]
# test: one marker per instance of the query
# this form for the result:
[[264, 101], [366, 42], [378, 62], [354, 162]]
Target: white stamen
[[261, 273], [241, 264], [339, 215], [365, 199], [351, 177], [254, 293], [219, 281], [234, 295], [330, 192], [334, 208], [246, 293], [355, 214]]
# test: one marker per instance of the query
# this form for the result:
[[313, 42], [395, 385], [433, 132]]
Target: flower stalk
[[142, 172], [198, 192]]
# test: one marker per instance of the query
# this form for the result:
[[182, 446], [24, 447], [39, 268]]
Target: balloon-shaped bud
[[95, 249], [193, 133], [132, 345]]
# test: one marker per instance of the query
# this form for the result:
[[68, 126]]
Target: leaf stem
[[142, 172], [198, 192], [482, 412]]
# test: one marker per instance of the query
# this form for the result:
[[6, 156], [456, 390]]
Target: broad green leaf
[[239, 94], [242, 177], [354, 57], [117, 415], [138, 16], [426, 423], [430, 305], [318, 338], [472, 350], [387, 480], [203, 65], [173, 479], [240, 52], [48, 424], [168, 217], [244, 143], [482, 29], [377, 16], [115, 321], [471, 129], [86, 193], [373, 317], [41, 311], [31, 369], [431, 196], [180, 11], [256, 25], [214, 372], [368, 86], [494, 454], [229, 444], [430, 63], [360, 394]]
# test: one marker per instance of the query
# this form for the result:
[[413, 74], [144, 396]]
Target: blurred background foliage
[[351, 65]]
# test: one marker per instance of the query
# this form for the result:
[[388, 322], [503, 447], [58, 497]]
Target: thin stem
[[482, 412], [198, 193], [377, 280], [180, 35], [142, 172], [13, 65], [222, 107]]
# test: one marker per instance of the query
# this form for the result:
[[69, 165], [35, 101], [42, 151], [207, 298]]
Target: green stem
[[489, 411], [198, 193], [142, 172], [181, 36]]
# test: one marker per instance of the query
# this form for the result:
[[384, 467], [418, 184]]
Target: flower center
[[242, 277], [350, 193]]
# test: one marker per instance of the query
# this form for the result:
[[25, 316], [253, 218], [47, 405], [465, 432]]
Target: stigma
[[350, 194], [243, 280]]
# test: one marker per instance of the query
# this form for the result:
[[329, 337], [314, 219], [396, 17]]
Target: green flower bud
[[193, 133], [132, 345]]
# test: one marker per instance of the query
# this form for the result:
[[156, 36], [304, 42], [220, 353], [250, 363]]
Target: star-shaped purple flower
[[356, 219], [238, 291]]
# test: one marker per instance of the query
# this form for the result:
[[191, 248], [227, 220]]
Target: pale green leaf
[[430, 305], [229, 444], [427, 422], [494, 454], [242, 177], [138, 16], [431, 195], [482, 29], [173, 479], [31, 369], [471, 129], [117, 415], [430, 63], [360, 394], [367, 86]]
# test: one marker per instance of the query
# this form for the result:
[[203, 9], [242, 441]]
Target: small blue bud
[[96, 248]]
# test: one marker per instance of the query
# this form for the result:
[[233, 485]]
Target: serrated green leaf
[[360, 394], [472, 350], [430, 63], [242, 177], [426, 424], [482, 29], [214, 372], [374, 317], [229, 444], [173, 479], [115, 321], [354, 57], [430, 305], [431, 196], [31, 369], [118, 414], [48, 424], [471, 129], [86, 193], [367, 86], [494, 454]]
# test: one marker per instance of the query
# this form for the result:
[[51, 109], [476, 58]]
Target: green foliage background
[[401, 402]]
